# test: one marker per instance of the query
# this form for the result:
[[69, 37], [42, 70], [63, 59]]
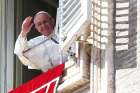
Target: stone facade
[[126, 45]]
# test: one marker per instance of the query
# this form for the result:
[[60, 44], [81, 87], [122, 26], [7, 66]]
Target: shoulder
[[36, 39]]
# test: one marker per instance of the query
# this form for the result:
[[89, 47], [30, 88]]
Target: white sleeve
[[21, 45]]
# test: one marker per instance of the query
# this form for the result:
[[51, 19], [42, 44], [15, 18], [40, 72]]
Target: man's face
[[43, 24]]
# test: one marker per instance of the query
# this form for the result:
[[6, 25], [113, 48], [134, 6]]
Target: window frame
[[81, 78]]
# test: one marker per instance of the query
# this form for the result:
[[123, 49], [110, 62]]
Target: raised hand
[[26, 26]]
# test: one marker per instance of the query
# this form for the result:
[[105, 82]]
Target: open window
[[74, 18]]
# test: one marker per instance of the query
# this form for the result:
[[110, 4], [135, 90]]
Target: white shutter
[[74, 18]]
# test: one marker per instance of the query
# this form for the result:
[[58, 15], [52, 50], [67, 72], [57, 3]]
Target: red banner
[[44, 83]]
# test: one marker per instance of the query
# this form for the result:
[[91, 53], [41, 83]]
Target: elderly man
[[42, 52]]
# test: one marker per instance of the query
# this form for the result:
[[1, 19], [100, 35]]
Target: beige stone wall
[[84, 89]]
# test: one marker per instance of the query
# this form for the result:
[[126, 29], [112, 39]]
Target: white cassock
[[40, 52]]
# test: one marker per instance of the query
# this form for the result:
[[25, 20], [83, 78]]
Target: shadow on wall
[[125, 34]]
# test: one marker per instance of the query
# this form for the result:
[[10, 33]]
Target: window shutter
[[74, 18]]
